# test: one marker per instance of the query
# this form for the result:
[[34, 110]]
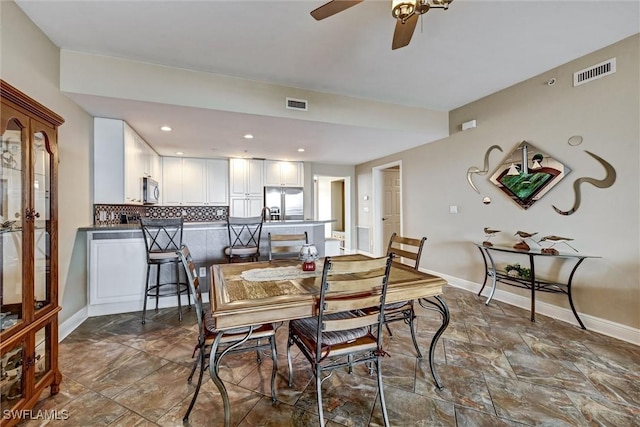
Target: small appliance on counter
[[150, 191], [284, 203], [129, 219]]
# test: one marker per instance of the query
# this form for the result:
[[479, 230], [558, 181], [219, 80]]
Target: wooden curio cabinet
[[29, 271]]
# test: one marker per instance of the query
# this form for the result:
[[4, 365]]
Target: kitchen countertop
[[195, 225]]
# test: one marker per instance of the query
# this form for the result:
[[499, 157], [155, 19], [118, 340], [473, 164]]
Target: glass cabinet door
[[12, 381], [12, 202], [42, 356], [40, 214]]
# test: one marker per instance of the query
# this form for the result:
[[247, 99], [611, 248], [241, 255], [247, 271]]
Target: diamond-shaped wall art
[[528, 174]]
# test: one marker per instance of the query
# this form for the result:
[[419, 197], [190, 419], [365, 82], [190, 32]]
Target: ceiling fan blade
[[403, 32], [333, 7]]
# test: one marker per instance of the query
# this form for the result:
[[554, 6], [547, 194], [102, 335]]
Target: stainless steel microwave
[[150, 191]]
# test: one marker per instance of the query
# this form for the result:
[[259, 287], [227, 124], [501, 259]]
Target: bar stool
[[163, 239]]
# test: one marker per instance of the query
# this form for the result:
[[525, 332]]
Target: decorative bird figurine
[[555, 238], [558, 239], [524, 234], [489, 232]]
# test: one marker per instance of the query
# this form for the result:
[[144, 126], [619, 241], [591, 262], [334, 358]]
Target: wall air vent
[[297, 104], [594, 72]]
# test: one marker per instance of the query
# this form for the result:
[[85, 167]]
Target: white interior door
[[391, 204]]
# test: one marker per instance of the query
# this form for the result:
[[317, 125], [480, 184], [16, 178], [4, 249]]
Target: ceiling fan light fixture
[[403, 9], [444, 4]]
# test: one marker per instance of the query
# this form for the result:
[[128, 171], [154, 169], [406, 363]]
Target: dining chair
[[244, 238], [162, 238], [409, 249], [286, 245], [215, 343], [342, 334]]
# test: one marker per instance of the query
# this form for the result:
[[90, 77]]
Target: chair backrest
[[286, 245], [406, 247], [244, 232], [162, 235], [194, 285], [350, 285]]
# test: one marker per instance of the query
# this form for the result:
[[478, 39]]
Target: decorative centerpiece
[[514, 270], [308, 256]]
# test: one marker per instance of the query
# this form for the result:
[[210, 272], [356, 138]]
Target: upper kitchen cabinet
[[246, 187], [283, 173], [246, 177], [121, 158], [188, 181], [217, 182]]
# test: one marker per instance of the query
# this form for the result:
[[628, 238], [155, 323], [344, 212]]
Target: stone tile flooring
[[498, 369]]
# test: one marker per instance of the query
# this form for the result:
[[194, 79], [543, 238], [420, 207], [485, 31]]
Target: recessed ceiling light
[[301, 150], [179, 153], [165, 128], [248, 136]]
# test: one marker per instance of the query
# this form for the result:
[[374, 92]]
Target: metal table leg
[[533, 288], [214, 367], [486, 270], [438, 304], [575, 313], [491, 272]]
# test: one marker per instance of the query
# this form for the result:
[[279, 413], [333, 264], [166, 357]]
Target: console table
[[532, 283]]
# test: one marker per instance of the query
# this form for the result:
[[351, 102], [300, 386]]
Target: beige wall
[[31, 63], [605, 113]]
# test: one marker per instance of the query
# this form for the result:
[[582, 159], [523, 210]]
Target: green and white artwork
[[527, 174]]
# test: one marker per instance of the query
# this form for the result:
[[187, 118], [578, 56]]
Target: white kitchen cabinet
[[132, 167], [120, 159], [117, 271], [194, 182], [217, 182], [245, 206], [246, 177], [245, 187], [283, 173], [171, 190]]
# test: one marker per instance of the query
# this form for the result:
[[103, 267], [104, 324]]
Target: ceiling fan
[[406, 13]]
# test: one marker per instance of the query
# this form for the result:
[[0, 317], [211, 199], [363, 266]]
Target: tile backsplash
[[114, 214]]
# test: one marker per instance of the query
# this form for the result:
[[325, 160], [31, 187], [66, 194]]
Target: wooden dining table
[[245, 294]]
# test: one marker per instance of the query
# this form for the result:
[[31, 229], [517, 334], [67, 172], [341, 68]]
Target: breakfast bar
[[116, 258]]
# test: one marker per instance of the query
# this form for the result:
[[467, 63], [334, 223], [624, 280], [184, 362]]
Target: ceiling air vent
[[594, 72], [297, 104]]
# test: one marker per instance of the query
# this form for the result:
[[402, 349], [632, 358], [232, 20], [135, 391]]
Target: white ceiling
[[472, 50]]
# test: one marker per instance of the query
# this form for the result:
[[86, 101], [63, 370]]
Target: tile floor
[[498, 369]]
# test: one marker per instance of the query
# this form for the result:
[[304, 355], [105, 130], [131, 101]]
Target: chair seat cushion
[[241, 250], [259, 331], [163, 256], [308, 328]]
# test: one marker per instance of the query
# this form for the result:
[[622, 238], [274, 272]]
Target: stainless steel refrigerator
[[284, 203]]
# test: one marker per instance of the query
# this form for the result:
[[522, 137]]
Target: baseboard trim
[[592, 323], [72, 323], [133, 306]]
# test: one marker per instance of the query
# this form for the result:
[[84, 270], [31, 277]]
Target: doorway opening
[[332, 196], [387, 205]]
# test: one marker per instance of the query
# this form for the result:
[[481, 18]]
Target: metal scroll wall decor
[[606, 182], [528, 174], [474, 170]]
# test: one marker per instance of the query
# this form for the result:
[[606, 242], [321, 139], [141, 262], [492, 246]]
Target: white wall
[[31, 63]]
